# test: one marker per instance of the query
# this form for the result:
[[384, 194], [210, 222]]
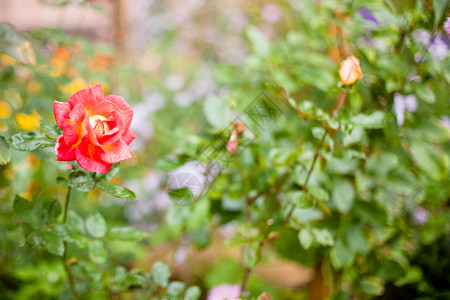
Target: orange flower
[[350, 71]]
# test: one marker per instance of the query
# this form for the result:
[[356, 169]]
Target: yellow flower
[[5, 110], [28, 122], [7, 60], [74, 86], [350, 71]]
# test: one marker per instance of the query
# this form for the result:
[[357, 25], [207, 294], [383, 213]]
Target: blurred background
[[185, 66]]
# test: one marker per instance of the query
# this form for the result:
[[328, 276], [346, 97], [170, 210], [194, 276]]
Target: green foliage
[[31, 141], [349, 180], [116, 190], [5, 154]]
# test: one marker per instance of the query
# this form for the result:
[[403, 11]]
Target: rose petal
[[124, 107], [61, 111], [64, 151], [116, 152], [88, 97], [128, 136], [87, 157], [78, 113], [117, 124]]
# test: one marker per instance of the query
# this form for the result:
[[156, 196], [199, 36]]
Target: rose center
[[98, 123]]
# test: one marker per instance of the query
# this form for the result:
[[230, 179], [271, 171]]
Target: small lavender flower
[[224, 292], [438, 45], [408, 102], [420, 215], [447, 27], [446, 121], [367, 15]]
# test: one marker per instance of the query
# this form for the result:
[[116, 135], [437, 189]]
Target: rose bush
[[96, 129]]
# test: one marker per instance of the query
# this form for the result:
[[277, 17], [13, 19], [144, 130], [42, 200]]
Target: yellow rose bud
[[350, 71]]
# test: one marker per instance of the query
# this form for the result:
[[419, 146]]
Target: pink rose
[[96, 129]]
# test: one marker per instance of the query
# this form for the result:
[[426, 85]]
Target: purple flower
[[420, 215], [446, 121], [408, 102], [367, 15], [438, 45], [224, 292], [447, 27]]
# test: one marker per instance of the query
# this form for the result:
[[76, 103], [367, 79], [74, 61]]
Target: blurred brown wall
[[74, 18]]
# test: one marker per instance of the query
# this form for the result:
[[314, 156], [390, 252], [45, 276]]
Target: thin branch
[[247, 273], [64, 258]]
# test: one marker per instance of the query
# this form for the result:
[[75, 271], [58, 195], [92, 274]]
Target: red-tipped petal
[[64, 151], [116, 152], [78, 113], [124, 107], [88, 97], [61, 111], [128, 136], [87, 157]]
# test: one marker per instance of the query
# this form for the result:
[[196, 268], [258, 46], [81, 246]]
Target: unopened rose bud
[[350, 71]]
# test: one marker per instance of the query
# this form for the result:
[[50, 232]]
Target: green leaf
[[51, 130], [34, 239], [81, 180], [31, 141], [374, 120], [53, 241], [182, 196], [439, 10], [24, 231], [16, 45], [96, 225], [217, 111], [341, 255], [318, 193], [116, 190], [425, 93], [160, 273], [323, 236], [372, 285], [115, 168], [343, 195], [303, 216], [413, 275], [127, 233], [53, 209], [356, 240], [306, 238], [5, 153], [97, 251], [175, 288], [235, 241], [23, 209], [432, 161], [259, 43], [192, 293], [251, 255], [75, 223]]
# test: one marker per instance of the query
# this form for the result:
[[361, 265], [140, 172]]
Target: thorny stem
[[64, 258], [270, 238], [247, 273]]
